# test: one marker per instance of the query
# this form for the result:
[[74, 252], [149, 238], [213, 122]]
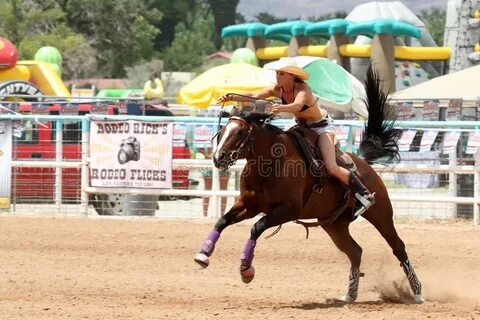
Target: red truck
[[37, 185]]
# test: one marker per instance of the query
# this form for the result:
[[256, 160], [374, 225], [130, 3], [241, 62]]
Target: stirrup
[[366, 203]]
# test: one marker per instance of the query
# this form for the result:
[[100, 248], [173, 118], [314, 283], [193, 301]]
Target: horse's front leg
[[278, 216], [236, 214]]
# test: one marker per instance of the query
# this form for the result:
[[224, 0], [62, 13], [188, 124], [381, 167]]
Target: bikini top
[[305, 107]]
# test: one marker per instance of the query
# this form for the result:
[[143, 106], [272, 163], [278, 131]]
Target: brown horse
[[276, 183]]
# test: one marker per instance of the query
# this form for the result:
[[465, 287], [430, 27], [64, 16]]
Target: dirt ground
[[95, 268]]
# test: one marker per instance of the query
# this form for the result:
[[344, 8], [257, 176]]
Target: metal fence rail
[[446, 197]]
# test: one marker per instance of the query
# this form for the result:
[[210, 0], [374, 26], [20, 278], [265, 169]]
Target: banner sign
[[454, 110], [406, 140], [450, 141], [131, 154], [431, 110], [428, 138], [202, 135], [69, 109], [405, 110], [179, 134], [5, 163], [473, 142], [477, 105]]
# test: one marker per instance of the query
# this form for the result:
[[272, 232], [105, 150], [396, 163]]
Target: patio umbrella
[[334, 86], [205, 89]]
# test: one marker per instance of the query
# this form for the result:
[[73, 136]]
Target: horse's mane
[[259, 119]]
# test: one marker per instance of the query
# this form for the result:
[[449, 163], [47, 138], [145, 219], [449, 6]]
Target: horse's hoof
[[202, 259], [247, 274], [418, 299], [347, 298]]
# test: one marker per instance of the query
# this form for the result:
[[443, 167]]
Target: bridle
[[247, 142], [245, 145]]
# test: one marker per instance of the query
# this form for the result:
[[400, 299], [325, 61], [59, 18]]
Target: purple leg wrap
[[247, 253], [209, 244]]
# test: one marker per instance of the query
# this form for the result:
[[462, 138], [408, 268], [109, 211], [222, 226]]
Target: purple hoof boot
[[207, 247], [202, 259], [248, 274]]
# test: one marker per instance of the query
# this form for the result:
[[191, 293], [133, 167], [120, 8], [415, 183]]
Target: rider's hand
[[276, 108], [224, 98]]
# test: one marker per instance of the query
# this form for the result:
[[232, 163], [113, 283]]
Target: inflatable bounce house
[[42, 77], [386, 34], [32, 78]]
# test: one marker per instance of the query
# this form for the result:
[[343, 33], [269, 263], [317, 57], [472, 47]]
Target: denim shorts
[[323, 129]]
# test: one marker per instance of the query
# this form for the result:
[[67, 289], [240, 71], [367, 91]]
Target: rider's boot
[[364, 199]]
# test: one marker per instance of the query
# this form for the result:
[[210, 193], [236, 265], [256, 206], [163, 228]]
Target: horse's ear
[[234, 111]]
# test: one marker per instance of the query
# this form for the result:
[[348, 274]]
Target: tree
[[191, 44], [173, 12], [224, 14], [31, 25], [121, 31], [434, 20], [268, 18]]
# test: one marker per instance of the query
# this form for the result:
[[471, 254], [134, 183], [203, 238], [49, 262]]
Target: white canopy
[[463, 84]]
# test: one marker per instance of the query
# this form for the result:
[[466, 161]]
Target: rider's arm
[[295, 106], [259, 94]]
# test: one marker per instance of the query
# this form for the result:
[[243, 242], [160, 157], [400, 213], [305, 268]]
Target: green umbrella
[[333, 85]]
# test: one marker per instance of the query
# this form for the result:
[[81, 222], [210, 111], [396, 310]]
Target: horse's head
[[236, 138]]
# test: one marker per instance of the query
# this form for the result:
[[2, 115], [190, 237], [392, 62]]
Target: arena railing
[[58, 162]]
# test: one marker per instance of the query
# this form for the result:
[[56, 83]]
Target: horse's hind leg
[[341, 237], [384, 224], [236, 214]]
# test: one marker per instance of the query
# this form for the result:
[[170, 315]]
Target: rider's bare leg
[[326, 144]]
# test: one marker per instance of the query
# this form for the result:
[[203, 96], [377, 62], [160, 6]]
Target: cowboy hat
[[288, 65]]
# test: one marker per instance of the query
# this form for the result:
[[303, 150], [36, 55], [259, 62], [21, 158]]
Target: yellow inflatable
[[360, 51], [20, 73], [401, 52], [477, 47], [151, 93], [272, 53], [316, 51], [41, 74]]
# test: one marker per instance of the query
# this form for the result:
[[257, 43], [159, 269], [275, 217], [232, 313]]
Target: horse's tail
[[380, 137]]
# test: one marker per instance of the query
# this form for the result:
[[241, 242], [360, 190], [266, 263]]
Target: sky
[[306, 8]]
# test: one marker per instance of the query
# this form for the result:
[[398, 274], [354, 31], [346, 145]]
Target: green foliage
[[31, 25], [173, 13], [121, 31], [268, 18], [224, 14], [434, 20], [141, 72], [191, 45]]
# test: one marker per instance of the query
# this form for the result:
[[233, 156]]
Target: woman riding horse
[[274, 184], [297, 98]]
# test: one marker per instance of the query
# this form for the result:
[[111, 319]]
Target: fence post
[[476, 189], [58, 159], [452, 179], [85, 164], [215, 186]]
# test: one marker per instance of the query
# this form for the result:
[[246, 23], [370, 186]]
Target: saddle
[[307, 141]]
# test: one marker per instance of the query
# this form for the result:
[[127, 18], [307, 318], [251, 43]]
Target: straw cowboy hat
[[290, 66]]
